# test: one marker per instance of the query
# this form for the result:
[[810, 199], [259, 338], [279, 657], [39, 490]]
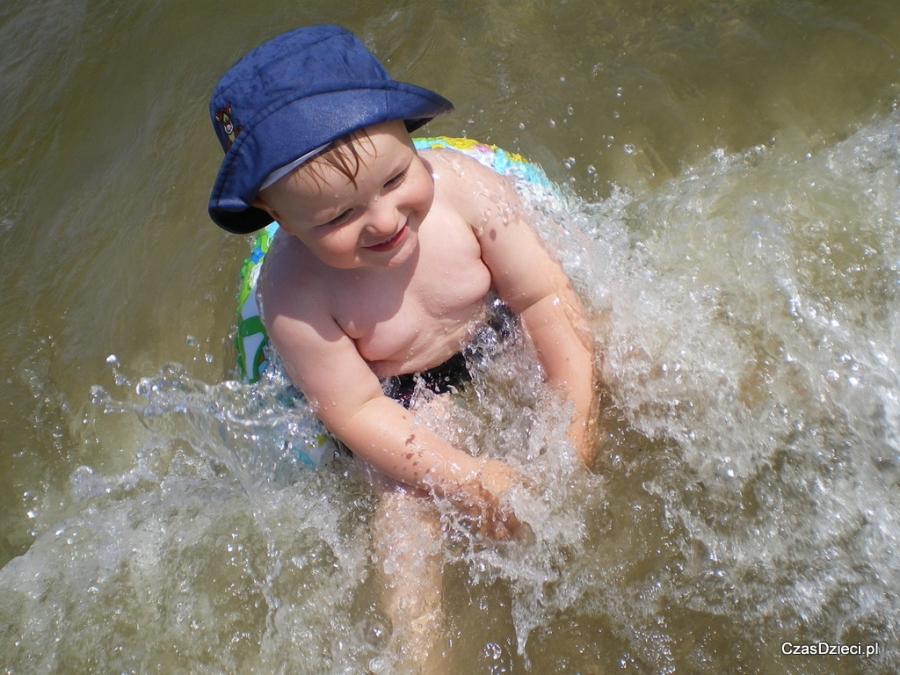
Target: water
[[734, 171]]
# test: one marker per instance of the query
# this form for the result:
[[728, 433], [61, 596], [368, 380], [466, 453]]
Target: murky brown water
[[737, 172]]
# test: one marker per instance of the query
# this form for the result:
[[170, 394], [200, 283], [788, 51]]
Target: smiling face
[[370, 221]]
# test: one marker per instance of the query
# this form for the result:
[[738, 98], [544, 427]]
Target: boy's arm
[[347, 396], [532, 283]]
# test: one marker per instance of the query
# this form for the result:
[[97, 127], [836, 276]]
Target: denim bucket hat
[[295, 93]]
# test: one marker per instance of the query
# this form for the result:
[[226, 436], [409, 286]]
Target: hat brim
[[301, 125]]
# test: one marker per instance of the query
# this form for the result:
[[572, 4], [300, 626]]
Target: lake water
[[732, 172]]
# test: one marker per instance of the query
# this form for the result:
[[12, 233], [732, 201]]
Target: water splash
[[753, 336], [746, 496]]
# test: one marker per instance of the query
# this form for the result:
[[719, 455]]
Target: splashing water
[[752, 336], [745, 495]]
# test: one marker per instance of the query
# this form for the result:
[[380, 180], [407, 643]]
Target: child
[[382, 267]]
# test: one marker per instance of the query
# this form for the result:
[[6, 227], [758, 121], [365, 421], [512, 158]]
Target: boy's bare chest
[[417, 319]]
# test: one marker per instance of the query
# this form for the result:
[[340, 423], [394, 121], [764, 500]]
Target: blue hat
[[291, 95]]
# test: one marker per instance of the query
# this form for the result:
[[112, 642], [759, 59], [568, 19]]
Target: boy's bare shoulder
[[466, 181], [478, 192], [290, 280]]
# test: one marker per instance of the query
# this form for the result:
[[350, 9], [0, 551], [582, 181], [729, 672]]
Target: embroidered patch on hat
[[231, 131]]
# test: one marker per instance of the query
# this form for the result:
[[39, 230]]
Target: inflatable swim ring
[[251, 339]]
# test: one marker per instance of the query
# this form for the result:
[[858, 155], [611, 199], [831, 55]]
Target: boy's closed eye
[[345, 216], [340, 219], [397, 180]]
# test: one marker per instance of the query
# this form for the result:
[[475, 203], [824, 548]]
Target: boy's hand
[[482, 498]]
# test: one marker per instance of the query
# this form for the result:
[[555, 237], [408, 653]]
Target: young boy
[[383, 265]]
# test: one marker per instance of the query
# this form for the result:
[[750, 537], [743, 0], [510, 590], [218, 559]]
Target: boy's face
[[374, 223]]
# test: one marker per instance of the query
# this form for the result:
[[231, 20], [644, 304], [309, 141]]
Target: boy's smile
[[372, 221], [391, 243]]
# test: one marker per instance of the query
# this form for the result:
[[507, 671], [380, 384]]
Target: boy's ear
[[262, 206]]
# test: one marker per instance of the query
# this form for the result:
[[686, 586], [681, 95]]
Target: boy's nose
[[383, 217]]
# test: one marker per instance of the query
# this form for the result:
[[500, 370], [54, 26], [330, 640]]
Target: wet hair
[[343, 155]]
